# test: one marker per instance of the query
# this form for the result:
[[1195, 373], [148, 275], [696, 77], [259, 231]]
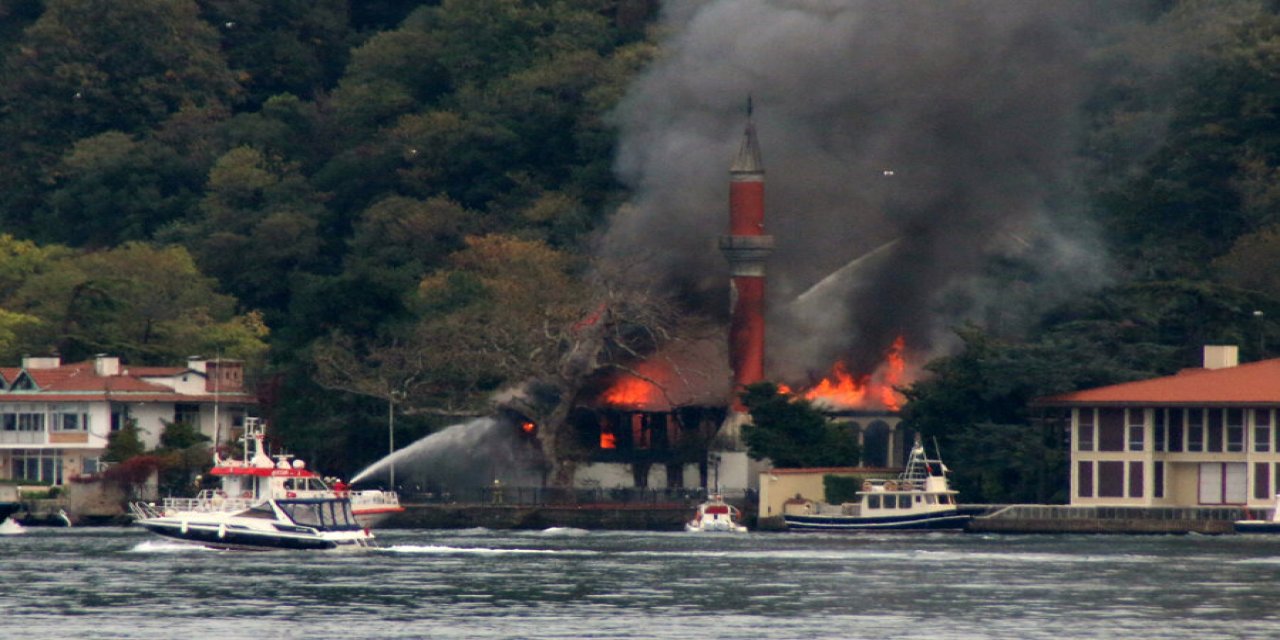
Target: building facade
[[1203, 437], [55, 418]]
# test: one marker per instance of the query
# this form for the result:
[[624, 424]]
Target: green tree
[[791, 432], [124, 444], [184, 453], [86, 67], [143, 303]]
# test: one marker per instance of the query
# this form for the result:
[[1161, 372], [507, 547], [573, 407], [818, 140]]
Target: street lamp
[[1262, 333], [391, 436]]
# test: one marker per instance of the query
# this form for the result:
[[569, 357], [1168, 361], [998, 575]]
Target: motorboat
[[716, 515], [1268, 525], [262, 503], [919, 498]]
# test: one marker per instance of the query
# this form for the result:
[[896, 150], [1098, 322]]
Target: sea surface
[[569, 583]]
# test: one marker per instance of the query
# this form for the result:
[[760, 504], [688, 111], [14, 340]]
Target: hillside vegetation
[[369, 201]]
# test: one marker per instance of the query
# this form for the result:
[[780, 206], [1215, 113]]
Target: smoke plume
[[931, 139]]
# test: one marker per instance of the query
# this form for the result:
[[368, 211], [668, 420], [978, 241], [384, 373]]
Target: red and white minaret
[[746, 247]]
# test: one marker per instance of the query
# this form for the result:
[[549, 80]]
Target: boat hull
[[916, 522], [232, 537], [1257, 526]]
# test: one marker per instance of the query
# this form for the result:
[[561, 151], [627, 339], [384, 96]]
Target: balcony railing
[[24, 437]]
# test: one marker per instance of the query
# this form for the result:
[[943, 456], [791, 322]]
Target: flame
[[844, 390], [528, 427], [608, 440], [631, 391]]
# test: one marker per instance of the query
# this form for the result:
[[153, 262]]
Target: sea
[[571, 583]]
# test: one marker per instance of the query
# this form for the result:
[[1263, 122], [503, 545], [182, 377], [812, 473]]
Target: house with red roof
[[1202, 437], [55, 418]]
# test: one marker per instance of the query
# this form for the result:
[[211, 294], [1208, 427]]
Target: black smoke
[[947, 128]]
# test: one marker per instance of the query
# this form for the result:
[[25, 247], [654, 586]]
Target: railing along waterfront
[[543, 496]]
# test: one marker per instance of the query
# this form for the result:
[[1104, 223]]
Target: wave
[[160, 546], [449, 550]]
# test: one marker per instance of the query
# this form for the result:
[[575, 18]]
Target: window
[[1084, 479], [1135, 479], [1195, 430], [1137, 429], [1160, 429], [1157, 479], [1262, 480], [904, 502], [1213, 418], [38, 465], [873, 502], [187, 414], [1262, 430], [1222, 483], [1084, 430], [1235, 430], [1177, 429], [1111, 479], [1111, 430], [68, 417]]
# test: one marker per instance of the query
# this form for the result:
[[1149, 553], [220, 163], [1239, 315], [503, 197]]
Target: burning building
[[675, 420]]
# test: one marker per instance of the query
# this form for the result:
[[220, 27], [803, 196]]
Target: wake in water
[[470, 454], [10, 527], [160, 546]]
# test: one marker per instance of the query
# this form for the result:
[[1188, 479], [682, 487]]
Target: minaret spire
[[746, 247]]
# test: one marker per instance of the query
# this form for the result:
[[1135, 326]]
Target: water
[[468, 454], [569, 583]]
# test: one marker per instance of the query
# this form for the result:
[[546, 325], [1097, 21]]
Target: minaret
[[746, 248]]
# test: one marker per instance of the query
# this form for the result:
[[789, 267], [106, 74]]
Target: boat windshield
[[322, 514]]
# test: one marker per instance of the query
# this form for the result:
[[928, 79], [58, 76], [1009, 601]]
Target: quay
[[1034, 518], [1020, 518]]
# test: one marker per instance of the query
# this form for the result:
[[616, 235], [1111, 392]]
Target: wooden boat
[[919, 498]]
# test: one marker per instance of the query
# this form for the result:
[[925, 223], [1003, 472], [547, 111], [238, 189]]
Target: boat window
[[904, 501], [919, 498], [288, 484], [263, 511], [305, 514], [873, 502], [348, 518]]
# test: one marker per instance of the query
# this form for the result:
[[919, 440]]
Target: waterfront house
[[1202, 437], [55, 418]]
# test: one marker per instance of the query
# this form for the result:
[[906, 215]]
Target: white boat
[[919, 498], [264, 503], [10, 527], [1268, 525], [716, 515]]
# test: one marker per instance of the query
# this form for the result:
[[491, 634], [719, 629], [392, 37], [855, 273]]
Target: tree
[[791, 432], [141, 302], [124, 444], [506, 320], [184, 453]]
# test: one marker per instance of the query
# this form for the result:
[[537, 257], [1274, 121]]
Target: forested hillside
[[386, 202]]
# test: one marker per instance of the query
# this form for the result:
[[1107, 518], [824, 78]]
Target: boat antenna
[[217, 373]]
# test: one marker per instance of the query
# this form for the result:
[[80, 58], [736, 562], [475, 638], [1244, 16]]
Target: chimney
[[41, 362], [104, 365], [746, 247], [1221, 356]]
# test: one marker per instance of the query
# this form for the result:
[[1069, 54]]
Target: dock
[[1035, 518]]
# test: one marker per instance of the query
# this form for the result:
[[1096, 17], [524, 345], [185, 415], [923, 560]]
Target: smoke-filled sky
[[945, 125]]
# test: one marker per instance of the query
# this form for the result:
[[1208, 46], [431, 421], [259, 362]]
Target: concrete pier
[[1033, 518]]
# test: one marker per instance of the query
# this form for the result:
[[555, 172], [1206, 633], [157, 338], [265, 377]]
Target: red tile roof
[[1247, 384], [77, 382]]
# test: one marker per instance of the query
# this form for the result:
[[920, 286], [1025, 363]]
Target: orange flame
[[528, 427], [843, 390], [608, 440], [631, 391]]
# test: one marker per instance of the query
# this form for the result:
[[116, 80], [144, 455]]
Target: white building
[[55, 418], [1203, 437]]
